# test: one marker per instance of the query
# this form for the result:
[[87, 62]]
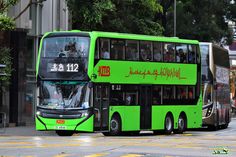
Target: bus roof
[[97, 34], [141, 37]]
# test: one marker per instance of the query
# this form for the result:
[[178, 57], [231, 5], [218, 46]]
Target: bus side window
[[132, 50], [191, 92], [131, 94], [131, 98], [117, 49], [181, 53], [117, 95], [97, 49], [191, 53], [169, 52], [145, 51], [168, 94], [157, 93], [181, 92], [198, 55], [157, 51], [104, 49]]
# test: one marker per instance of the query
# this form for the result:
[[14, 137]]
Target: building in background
[[44, 16]]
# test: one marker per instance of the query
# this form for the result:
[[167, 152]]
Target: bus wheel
[[182, 125], [168, 124], [115, 126], [64, 133], [225, 126]]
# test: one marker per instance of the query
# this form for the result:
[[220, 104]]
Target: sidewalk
[[24, 131]]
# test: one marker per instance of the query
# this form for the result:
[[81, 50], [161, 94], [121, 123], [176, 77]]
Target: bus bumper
[[210, 120], [84, 124]]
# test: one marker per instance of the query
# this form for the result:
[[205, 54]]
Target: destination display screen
[[63, 67]]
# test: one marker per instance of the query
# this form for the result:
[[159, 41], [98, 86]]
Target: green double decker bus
[[117, 83]]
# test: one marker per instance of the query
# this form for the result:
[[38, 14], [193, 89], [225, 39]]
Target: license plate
[[61, 127]]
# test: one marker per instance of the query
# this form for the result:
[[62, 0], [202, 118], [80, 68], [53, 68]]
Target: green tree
[[6, 23], [202, 20], [166, 16], [5, 59], [131, 16]]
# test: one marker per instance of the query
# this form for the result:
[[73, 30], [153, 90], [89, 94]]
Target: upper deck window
[[132, 50], [146, 51], [104, 48], [65, 47], [169, 52], [117, 49], [157, 51], [205, 63], [192, 49], [181, 53]]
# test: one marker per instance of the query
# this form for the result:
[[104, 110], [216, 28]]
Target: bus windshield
[[64, 57], [64, 95]]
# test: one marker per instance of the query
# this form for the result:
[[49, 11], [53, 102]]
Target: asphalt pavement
[[30, 131]]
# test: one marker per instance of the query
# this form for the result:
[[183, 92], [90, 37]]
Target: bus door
[[101, 107], [145, 106]]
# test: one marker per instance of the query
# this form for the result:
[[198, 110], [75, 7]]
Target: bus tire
[[182, 124], [225, 125], [64, 132], [115, 125], [169, 125]]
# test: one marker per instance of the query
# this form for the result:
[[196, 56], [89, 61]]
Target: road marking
[[132, 155], [96, 155], [188, 134]]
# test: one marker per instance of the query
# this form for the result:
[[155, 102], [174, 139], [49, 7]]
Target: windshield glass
[[207, 93], [64, 57], [64, 95]]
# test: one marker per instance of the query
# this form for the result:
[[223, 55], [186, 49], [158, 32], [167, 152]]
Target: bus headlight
[[38, 113]]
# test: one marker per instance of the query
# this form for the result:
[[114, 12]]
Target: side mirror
[[94, 76]]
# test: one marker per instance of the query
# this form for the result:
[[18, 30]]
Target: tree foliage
[[6, 22], [5, 59], [131, 16], [202, 20]]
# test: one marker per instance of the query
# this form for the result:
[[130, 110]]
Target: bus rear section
[[215, 86], [64, 94]]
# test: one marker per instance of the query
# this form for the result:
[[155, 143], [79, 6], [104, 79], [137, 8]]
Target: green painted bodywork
[[70, 124], [132, 72], [146, 73], [130, 116], [192, 112]]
